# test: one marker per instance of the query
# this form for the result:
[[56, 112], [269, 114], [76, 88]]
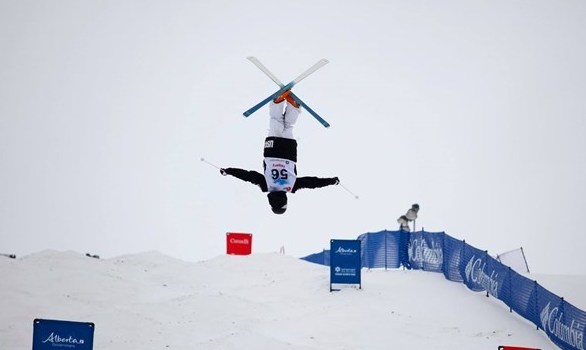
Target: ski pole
[[347, 190], [205, 161]]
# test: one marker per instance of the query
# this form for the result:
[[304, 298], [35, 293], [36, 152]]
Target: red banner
[[515, 348], [238, 243]]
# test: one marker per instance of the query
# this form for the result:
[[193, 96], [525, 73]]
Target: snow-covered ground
[[261, 301]]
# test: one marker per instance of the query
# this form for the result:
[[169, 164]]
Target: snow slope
[[262, 301]]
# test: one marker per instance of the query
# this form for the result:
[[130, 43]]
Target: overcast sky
[[476, 111]]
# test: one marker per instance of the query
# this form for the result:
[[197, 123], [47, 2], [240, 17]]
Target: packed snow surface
[[261, 301]]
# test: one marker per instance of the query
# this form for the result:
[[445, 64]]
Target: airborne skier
[[280, 158]]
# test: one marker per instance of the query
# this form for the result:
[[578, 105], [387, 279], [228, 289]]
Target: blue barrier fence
[[438, 252]]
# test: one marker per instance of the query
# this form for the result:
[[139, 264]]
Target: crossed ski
[[286, 87]]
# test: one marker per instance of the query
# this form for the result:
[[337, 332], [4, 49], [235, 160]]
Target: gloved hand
[[223, 172], [336, 181]]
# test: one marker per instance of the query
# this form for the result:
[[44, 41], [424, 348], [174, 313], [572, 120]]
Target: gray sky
[[473, 110]]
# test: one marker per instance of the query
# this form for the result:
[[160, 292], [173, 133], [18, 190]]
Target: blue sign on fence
[[425, 251], [49, 334], [345, 263]]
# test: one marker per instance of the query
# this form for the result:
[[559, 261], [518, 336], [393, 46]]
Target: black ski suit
[[283, 148]]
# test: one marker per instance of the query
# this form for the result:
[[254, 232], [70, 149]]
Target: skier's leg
[[291, 115], [277, 122]]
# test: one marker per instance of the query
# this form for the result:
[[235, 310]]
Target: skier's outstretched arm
[[314, 182], [246, 175]]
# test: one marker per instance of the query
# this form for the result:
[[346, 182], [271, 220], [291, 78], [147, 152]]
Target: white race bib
[[280, 174]]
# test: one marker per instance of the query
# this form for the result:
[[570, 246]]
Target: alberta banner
[[53, 334], [345, 262]]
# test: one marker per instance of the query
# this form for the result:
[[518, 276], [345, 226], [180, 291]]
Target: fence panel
[[563, 323], [452, 258]]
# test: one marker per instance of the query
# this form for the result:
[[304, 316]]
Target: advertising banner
[[238, 243], [425, 251], [345, 262], [53, 334]]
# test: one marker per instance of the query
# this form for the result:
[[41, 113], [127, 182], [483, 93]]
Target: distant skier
[[280, 158]]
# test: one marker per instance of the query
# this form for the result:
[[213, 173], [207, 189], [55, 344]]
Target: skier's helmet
[[278, 201]]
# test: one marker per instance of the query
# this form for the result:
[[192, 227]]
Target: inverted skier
[[280, 158]]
